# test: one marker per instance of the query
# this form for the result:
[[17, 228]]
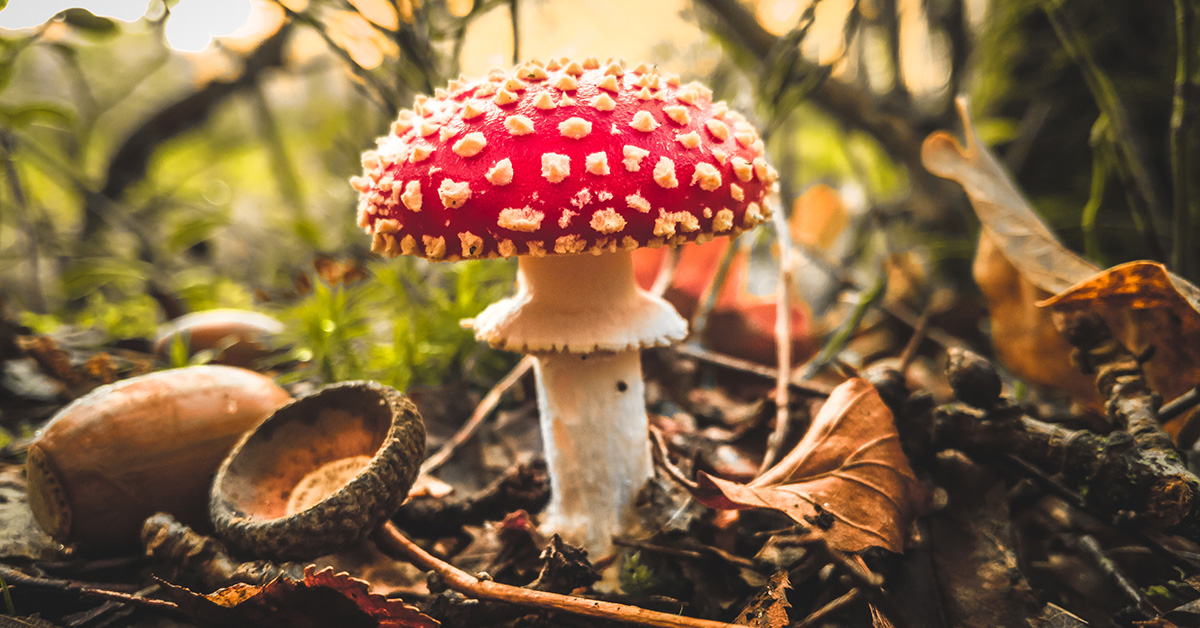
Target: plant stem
[[1131, 163], [1183, 143]]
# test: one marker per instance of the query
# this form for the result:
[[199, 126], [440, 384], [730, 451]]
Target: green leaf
[[3, 3], [22, 116], [88, 22]]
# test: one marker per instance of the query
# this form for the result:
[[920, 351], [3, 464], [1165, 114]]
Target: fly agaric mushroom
[[570, 165]]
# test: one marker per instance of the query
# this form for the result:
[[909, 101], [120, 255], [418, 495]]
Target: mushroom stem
[[594, 429], [585, 320]]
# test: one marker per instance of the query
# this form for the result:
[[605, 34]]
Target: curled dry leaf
[[1019, 262], [1146, 306], [322, 598], [847, 477]]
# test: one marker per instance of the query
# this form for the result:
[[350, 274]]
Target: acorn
[[236, 337], [321, 472], [139, 446]]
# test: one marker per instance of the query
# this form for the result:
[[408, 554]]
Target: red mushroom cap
[[561, 158]]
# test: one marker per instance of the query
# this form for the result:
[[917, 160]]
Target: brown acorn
[[235, 336], [139, 446]]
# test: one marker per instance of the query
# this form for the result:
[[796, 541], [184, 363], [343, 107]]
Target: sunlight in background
[[30, 13], [191, 28], [194, 23]]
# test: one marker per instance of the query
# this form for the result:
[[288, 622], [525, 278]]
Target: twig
[[1091, 547], [14, 577], [482, 411], [836, 605], [1179, 405], [1114, 473], [708, 552], [383, 97], [783, 344], [1054, 486], [392, 539], [708, 299], [666, 273], [1183, 142], [918, 335], [697, 352], [870, 582], [1143, 196], [659, 453]]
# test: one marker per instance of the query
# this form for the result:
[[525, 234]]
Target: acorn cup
[[321, 472], [139, 446]]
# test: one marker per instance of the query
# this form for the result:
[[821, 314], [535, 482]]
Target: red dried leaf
[[847, 477], [323, 598], [740, 324]]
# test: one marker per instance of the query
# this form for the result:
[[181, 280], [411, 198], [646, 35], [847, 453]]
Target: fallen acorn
[[235, 336], [323, 471], [139, 446]]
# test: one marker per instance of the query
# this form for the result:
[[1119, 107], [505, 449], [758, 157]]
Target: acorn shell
[[323, 471], [142, 445]]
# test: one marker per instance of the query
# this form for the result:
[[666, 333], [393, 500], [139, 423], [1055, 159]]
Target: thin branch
[[816, 617], [393, 540], [746, 367], [14, 577], [920, 330], [384, 98], [783, 344], [482, 412], [1116, 575], [708, 299], [706, 554], [666, 272], [659, 453]]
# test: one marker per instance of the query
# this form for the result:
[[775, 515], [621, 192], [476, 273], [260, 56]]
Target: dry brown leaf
[[1018, 231], [847, 477], [768, 608], [1019, 262], [1025, 338], [323, 598], [1147, 307]]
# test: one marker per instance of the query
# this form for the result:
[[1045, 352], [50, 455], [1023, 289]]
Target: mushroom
[[569, 166]]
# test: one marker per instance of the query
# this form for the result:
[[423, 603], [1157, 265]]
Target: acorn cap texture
[[321, 472]]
